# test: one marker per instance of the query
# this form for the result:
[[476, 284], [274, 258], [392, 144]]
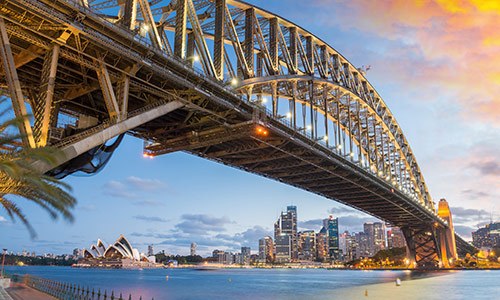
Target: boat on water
[[398, 282]]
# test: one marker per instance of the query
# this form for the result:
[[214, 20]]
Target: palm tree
[[19, 179]]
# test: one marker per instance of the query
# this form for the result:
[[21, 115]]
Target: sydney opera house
[[120, 254]]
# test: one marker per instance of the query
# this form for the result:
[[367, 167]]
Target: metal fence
[[67, 291]]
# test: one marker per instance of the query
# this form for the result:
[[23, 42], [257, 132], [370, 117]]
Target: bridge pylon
[[432, 245], [447, 241]]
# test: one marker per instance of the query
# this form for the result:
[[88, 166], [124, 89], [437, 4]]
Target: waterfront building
[[362, 245], [120, 254], [266, 249], [217, 253], [150, 250], [307, 245], [369, 245], [352, 248], [322, 245], [332, 230], [287, 225], [283, 252], [395, 238], [487, 237], [77, 253], [193, 249], [378, 237], [375, 237], [238, 259], [347, 245], [245, 254]]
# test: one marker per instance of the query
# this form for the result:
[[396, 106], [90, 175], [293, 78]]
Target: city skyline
[[178, 198]]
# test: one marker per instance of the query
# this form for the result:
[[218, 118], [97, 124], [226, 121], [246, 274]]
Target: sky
[[435, 63]]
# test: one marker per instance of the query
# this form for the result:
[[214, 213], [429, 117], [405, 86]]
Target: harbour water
[[277, 283]]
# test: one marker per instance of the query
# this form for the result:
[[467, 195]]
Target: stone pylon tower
[[446, 236]]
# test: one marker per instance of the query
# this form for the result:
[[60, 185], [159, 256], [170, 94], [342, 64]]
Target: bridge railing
[[67, 291]]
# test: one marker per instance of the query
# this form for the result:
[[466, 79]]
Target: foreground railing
[[66, 291]]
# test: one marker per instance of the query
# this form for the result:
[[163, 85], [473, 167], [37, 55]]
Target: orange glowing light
[[261, 131]]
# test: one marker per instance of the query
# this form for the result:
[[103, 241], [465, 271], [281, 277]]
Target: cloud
[[148, 203], [441, 49], [131, 187], [202, 224], [251, 236], [3, 220], [144, 184], [341, 210], [208, 233], [117, 189], [464, 231], [489, 167], [150, 219], [314, 224], [475, 194]]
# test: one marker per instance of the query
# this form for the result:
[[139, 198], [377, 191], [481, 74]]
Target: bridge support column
[[447, 241], [14, 85], [422, 247]]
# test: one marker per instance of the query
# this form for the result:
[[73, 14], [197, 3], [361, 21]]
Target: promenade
[[19, 291]]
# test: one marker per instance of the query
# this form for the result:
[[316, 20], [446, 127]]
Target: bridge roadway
[[112, 81]]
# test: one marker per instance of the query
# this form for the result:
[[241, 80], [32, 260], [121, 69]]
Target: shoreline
[[292, 267]]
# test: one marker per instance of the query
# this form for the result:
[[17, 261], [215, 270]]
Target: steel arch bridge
[[220, 79]]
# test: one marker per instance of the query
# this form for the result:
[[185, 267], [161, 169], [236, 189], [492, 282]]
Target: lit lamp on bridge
[[262, 131]]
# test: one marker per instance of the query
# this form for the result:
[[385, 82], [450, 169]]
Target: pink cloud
[[450, 45]]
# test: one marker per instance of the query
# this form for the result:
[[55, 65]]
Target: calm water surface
[[269, 283]]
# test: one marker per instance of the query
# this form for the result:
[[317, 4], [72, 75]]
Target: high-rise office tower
[[332, 229], [378, 237], [286, 225], [193, 249], [307, 245], [266, 249], [150, 250], [322, 245], [395, 238], [245, 254]]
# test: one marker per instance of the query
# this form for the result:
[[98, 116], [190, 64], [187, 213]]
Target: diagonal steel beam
[[14, 86]]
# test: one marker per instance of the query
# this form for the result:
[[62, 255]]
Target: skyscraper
[[378, 236], [283, 248], [245, 254], [332, 229], [395, 238], [322, 245], [150, 250], [307, 245], [362, 245], [369, 231], [488, 236], [193, 249], [286, 226], [266, 249]]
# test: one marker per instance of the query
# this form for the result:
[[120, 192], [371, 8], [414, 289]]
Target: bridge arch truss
[[122, 66]]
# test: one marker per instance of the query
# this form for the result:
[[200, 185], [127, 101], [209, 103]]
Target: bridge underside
[[297, 162], [267, 148]]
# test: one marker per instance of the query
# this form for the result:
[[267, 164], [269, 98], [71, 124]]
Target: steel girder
[[98, 68]]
